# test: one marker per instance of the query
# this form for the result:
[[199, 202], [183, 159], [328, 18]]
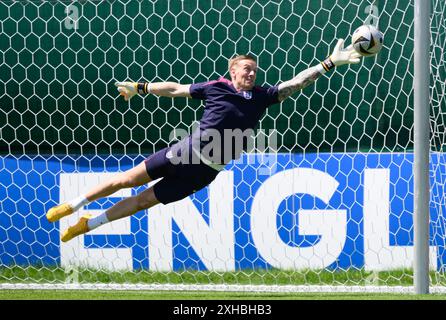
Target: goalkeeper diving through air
[[229, 105]]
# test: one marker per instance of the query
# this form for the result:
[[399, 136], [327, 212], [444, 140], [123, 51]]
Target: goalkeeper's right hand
[[342, 56], [127, 89]]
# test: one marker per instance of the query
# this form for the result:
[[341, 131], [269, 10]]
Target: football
[[367, 40]]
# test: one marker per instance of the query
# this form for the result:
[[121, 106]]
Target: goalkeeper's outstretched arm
[[164, 89], [339, 57]]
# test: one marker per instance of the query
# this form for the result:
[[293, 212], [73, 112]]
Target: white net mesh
[[334, 207], [437, 120]]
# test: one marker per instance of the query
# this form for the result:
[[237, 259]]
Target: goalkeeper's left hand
[[342, 56], [127, 89]]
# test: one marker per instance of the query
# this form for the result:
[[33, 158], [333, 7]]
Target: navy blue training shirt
[[227, 108]]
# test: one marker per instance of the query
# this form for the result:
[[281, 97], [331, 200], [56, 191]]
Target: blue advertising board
[[29, 186]]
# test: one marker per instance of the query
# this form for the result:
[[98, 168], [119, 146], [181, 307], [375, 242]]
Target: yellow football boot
[[79, 228], [58, 212]]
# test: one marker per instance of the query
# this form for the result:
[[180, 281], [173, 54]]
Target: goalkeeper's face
[[243, 74]]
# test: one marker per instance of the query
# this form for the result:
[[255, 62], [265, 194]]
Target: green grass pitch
[[44, 275], [188, 295]]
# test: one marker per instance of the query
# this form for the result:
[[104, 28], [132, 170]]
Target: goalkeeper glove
[[341, 56], [129, 89]]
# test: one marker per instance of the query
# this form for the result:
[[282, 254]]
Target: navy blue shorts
[[178, 180]]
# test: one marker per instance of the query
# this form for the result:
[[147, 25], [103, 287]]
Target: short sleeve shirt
[[229, 109]]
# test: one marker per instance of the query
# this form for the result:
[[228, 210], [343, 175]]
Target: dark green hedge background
[[58, 95]]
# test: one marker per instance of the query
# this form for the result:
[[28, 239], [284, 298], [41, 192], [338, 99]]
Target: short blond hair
[[236, 59]]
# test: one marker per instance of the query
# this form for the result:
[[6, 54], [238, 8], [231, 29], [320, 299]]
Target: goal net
[[323, 202]]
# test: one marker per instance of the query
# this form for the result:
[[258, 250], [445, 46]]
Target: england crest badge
[[247, 94]]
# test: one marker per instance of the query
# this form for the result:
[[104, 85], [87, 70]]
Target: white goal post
[[421, 145]]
